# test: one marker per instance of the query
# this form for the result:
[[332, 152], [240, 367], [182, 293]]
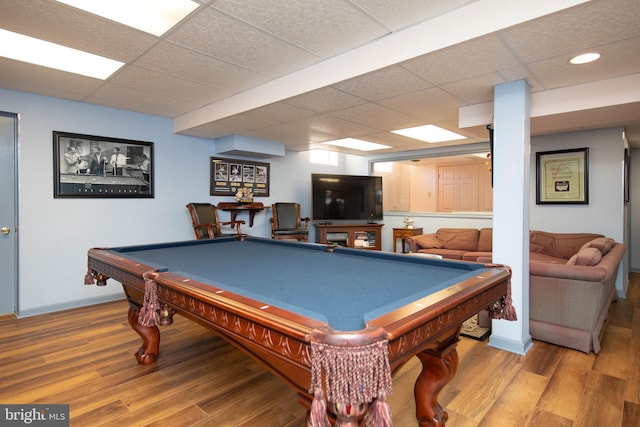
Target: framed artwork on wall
[[562, 176], [627, 175], [230, 175], [97, 166]]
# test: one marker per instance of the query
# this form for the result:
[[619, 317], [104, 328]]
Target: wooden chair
[[287, 224], [206, 224]]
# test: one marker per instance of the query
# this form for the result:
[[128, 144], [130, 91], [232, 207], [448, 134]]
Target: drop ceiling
[[308, 71]]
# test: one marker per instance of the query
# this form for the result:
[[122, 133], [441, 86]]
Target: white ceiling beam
[[603, 93]]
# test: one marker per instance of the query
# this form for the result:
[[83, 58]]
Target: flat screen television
[[346, 197]]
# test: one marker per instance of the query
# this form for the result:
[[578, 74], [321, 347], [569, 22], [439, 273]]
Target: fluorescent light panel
[[39, 52], [152, 16], [356, 144], [429, 133]]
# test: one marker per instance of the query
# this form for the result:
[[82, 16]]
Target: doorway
[[8, 213]]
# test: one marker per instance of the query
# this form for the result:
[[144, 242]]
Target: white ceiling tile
[[293, 133], [463, 61], [400, 14], [128, 98], [325, 28], [188, 64], [220, 35], [384, 83], [475, 90], [336, 127], [623, 58], [163, 84], [25, 77], [429, 105], [589, 25], [519, 72], [324, 100], [376, 117]]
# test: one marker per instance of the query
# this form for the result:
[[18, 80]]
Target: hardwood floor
[[84, 357]]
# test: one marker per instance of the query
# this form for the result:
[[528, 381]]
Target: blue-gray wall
[[55, 234]]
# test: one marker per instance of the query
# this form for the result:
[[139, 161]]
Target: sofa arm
[[601, 272], [423, 241]]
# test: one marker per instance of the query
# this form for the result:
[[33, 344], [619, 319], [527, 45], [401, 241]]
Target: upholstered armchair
[[206, 225], [287, 224]]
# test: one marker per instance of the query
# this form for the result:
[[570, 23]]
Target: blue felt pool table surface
[[345, 288]]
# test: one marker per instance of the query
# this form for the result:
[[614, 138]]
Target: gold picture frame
[[562, 177]]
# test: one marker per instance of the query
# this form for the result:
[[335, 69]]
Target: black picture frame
[[84, 166], [627, 175], [229, 175], [562, 177]]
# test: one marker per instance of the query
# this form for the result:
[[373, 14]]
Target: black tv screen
[[346, 197]]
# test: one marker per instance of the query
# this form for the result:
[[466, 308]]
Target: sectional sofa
[[571, 279]]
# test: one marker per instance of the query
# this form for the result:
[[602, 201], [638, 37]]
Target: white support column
[[511, 174]]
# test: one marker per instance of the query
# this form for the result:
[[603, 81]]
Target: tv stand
[[360, 236]]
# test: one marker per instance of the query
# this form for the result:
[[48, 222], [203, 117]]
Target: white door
[[8, 213]]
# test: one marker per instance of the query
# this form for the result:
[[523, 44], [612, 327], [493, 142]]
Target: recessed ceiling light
[[429, 133], [356, 144], [585, 58], [152, 16], [39, 52]]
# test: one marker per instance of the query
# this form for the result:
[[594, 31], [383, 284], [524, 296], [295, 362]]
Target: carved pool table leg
[[148, 352], [438, 368]]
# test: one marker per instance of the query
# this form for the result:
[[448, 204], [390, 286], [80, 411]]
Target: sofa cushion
[[428, 241], [485, 240], [473, 256], [586, 256], [464, 239], [603, 244], [560, 245], [537, 257]]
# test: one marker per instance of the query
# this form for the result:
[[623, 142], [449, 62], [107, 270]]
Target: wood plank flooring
[[84, 357]]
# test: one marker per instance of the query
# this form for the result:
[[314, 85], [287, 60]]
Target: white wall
[[604, 213], [55, 234]]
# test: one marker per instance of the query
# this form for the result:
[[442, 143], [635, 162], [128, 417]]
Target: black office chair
[[287, 224], [206, 224]]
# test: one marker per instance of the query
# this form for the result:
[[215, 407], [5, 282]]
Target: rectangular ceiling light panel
[[39, 52], [429, 133], [152, 16]]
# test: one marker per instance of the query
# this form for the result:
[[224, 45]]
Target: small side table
[[403, 234], [234, 208]]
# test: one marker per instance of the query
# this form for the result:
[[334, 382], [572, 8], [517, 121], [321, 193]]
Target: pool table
[[298, 307]]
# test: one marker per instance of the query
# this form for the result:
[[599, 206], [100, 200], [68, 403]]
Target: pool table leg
[[438, 368], [148, 352]]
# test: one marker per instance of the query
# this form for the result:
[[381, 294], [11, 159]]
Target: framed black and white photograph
[[98, 166], [562, 176], [627, 175], [230, 175]]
